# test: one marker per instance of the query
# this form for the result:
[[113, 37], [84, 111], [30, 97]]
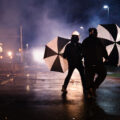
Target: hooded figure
[[93, 52], [73, 55]]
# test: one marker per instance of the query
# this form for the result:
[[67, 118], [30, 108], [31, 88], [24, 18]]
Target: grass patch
[[114, 75]]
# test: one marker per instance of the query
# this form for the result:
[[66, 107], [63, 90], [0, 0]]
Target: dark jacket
[[93, 51], [73, 53]]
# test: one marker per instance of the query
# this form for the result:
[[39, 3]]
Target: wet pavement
[[35, 94]]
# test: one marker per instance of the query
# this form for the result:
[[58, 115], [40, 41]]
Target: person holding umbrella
[[73, 55], [93, 52]]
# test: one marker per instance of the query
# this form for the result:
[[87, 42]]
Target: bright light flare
[[81, 27], [105, 6], [9, 53], [28, 75], [38, 55], [1, 57], [28, 88]]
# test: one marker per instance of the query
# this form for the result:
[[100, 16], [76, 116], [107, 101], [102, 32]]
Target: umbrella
[[110, 34], [53, 54]]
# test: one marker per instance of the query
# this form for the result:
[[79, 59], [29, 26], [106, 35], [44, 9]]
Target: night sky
[[43, 20]]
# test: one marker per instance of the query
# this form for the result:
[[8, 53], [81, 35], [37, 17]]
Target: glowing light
[[11, 57], [1, 47], [8, 75], [28, 88], [20, 50], [9, 53], [1, 57], [11, 79], [105, 6], [27, 45], [38, 55], [28, 75], [81, 27]]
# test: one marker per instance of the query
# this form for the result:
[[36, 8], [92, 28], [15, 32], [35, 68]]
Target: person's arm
[[105, 54], [80, 49]]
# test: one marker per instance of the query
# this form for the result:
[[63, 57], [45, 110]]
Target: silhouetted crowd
[[92, 52]]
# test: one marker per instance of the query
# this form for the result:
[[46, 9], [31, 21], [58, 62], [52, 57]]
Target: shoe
[[64, 90]]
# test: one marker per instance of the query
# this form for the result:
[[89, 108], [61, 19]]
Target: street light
[[27, 46], [10, 54], [106, 7], [81, 28]]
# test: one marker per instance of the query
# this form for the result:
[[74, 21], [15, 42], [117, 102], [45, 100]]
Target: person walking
[[93, 53], [73, 55]]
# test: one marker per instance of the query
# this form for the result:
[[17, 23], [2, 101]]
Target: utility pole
[[108, 10], [21, 44]]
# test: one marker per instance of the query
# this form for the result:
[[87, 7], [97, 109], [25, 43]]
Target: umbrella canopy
[[110, 34], [53, 54]]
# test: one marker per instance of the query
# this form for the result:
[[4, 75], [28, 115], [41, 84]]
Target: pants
[[91, 71], [70, 71]]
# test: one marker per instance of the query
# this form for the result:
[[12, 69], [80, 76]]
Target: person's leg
[[67, 79], [89, 76], [82, 75], [102, 72]]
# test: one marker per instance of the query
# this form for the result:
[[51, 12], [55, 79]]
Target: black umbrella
[[110, 34], [53, 54]]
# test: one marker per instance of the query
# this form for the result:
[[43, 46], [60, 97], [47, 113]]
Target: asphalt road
[[35, 94]]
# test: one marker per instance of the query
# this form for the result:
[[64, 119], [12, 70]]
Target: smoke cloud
[[43, 20]]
